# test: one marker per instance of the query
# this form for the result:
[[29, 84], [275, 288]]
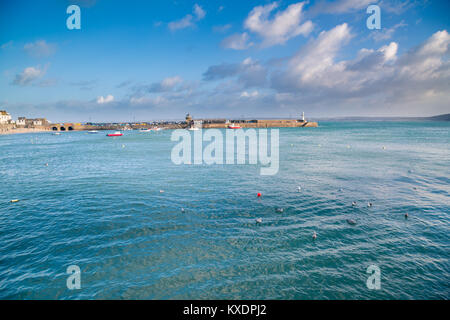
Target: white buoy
[[258, 220], [354, 203], [369, 204], [182, 209], [14, 200], [161, 191], [314, 236], [299, 188]]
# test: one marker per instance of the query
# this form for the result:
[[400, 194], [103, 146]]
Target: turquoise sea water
[[98, 205]]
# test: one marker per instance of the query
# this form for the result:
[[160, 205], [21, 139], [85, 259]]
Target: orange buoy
[[259, 194]]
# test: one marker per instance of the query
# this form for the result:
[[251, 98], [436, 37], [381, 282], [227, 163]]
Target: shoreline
[[23, 130]]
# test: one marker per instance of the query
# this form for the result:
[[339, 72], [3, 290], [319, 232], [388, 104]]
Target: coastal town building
[[21, 122], [5, 117], [39, 122]]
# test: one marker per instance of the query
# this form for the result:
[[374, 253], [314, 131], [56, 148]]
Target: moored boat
[[115, 134], [234, 126]]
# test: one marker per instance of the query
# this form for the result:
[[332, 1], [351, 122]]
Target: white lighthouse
[[303, 116]]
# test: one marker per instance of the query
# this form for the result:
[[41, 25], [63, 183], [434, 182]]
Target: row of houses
[[5, 118]]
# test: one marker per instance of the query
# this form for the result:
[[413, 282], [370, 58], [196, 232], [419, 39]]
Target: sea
[[138, 226]]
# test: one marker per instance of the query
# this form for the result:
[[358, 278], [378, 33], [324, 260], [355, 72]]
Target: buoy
[[314, 235], [161, 191], [123, 146], [46, 164], [340, 190], [299, 188], [354, 203], [351, 221], [406, 215], [369, 204], [259, 194], [280, 210], [384, 148], [258, 220], [15, 200], [182, 209]]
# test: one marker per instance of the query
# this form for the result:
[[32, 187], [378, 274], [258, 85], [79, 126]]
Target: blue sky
[[149, 60]]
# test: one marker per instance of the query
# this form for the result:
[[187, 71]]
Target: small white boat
[[115, 134], [93, 131], [193, 129], [56, 133]]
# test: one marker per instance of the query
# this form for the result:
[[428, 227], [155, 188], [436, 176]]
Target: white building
[[5, 117], [37, 122], [21, 121]]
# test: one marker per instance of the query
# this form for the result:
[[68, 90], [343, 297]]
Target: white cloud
[[252, 94], [282, 27], [379, 79], [313, 62], [237, 41], [187, 21], [340, 6], [39, 48], [386, 33], [170, 82], [28, 75], [103, 100], [181, 24], [199, 12]]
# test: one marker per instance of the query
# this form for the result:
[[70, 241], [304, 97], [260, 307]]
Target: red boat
[[234, 126], [115, 134]]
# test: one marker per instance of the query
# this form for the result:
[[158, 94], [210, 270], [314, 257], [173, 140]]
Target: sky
[[158, 60]]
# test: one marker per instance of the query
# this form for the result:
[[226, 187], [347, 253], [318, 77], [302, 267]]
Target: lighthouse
[[303, 116]]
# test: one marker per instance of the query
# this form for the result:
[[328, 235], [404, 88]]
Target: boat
[[145, 130], [92, 131], [234, 126], [115, 134], [56, 133], [193, 129]]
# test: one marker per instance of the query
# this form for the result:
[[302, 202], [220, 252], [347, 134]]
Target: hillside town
[[7, 124]]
